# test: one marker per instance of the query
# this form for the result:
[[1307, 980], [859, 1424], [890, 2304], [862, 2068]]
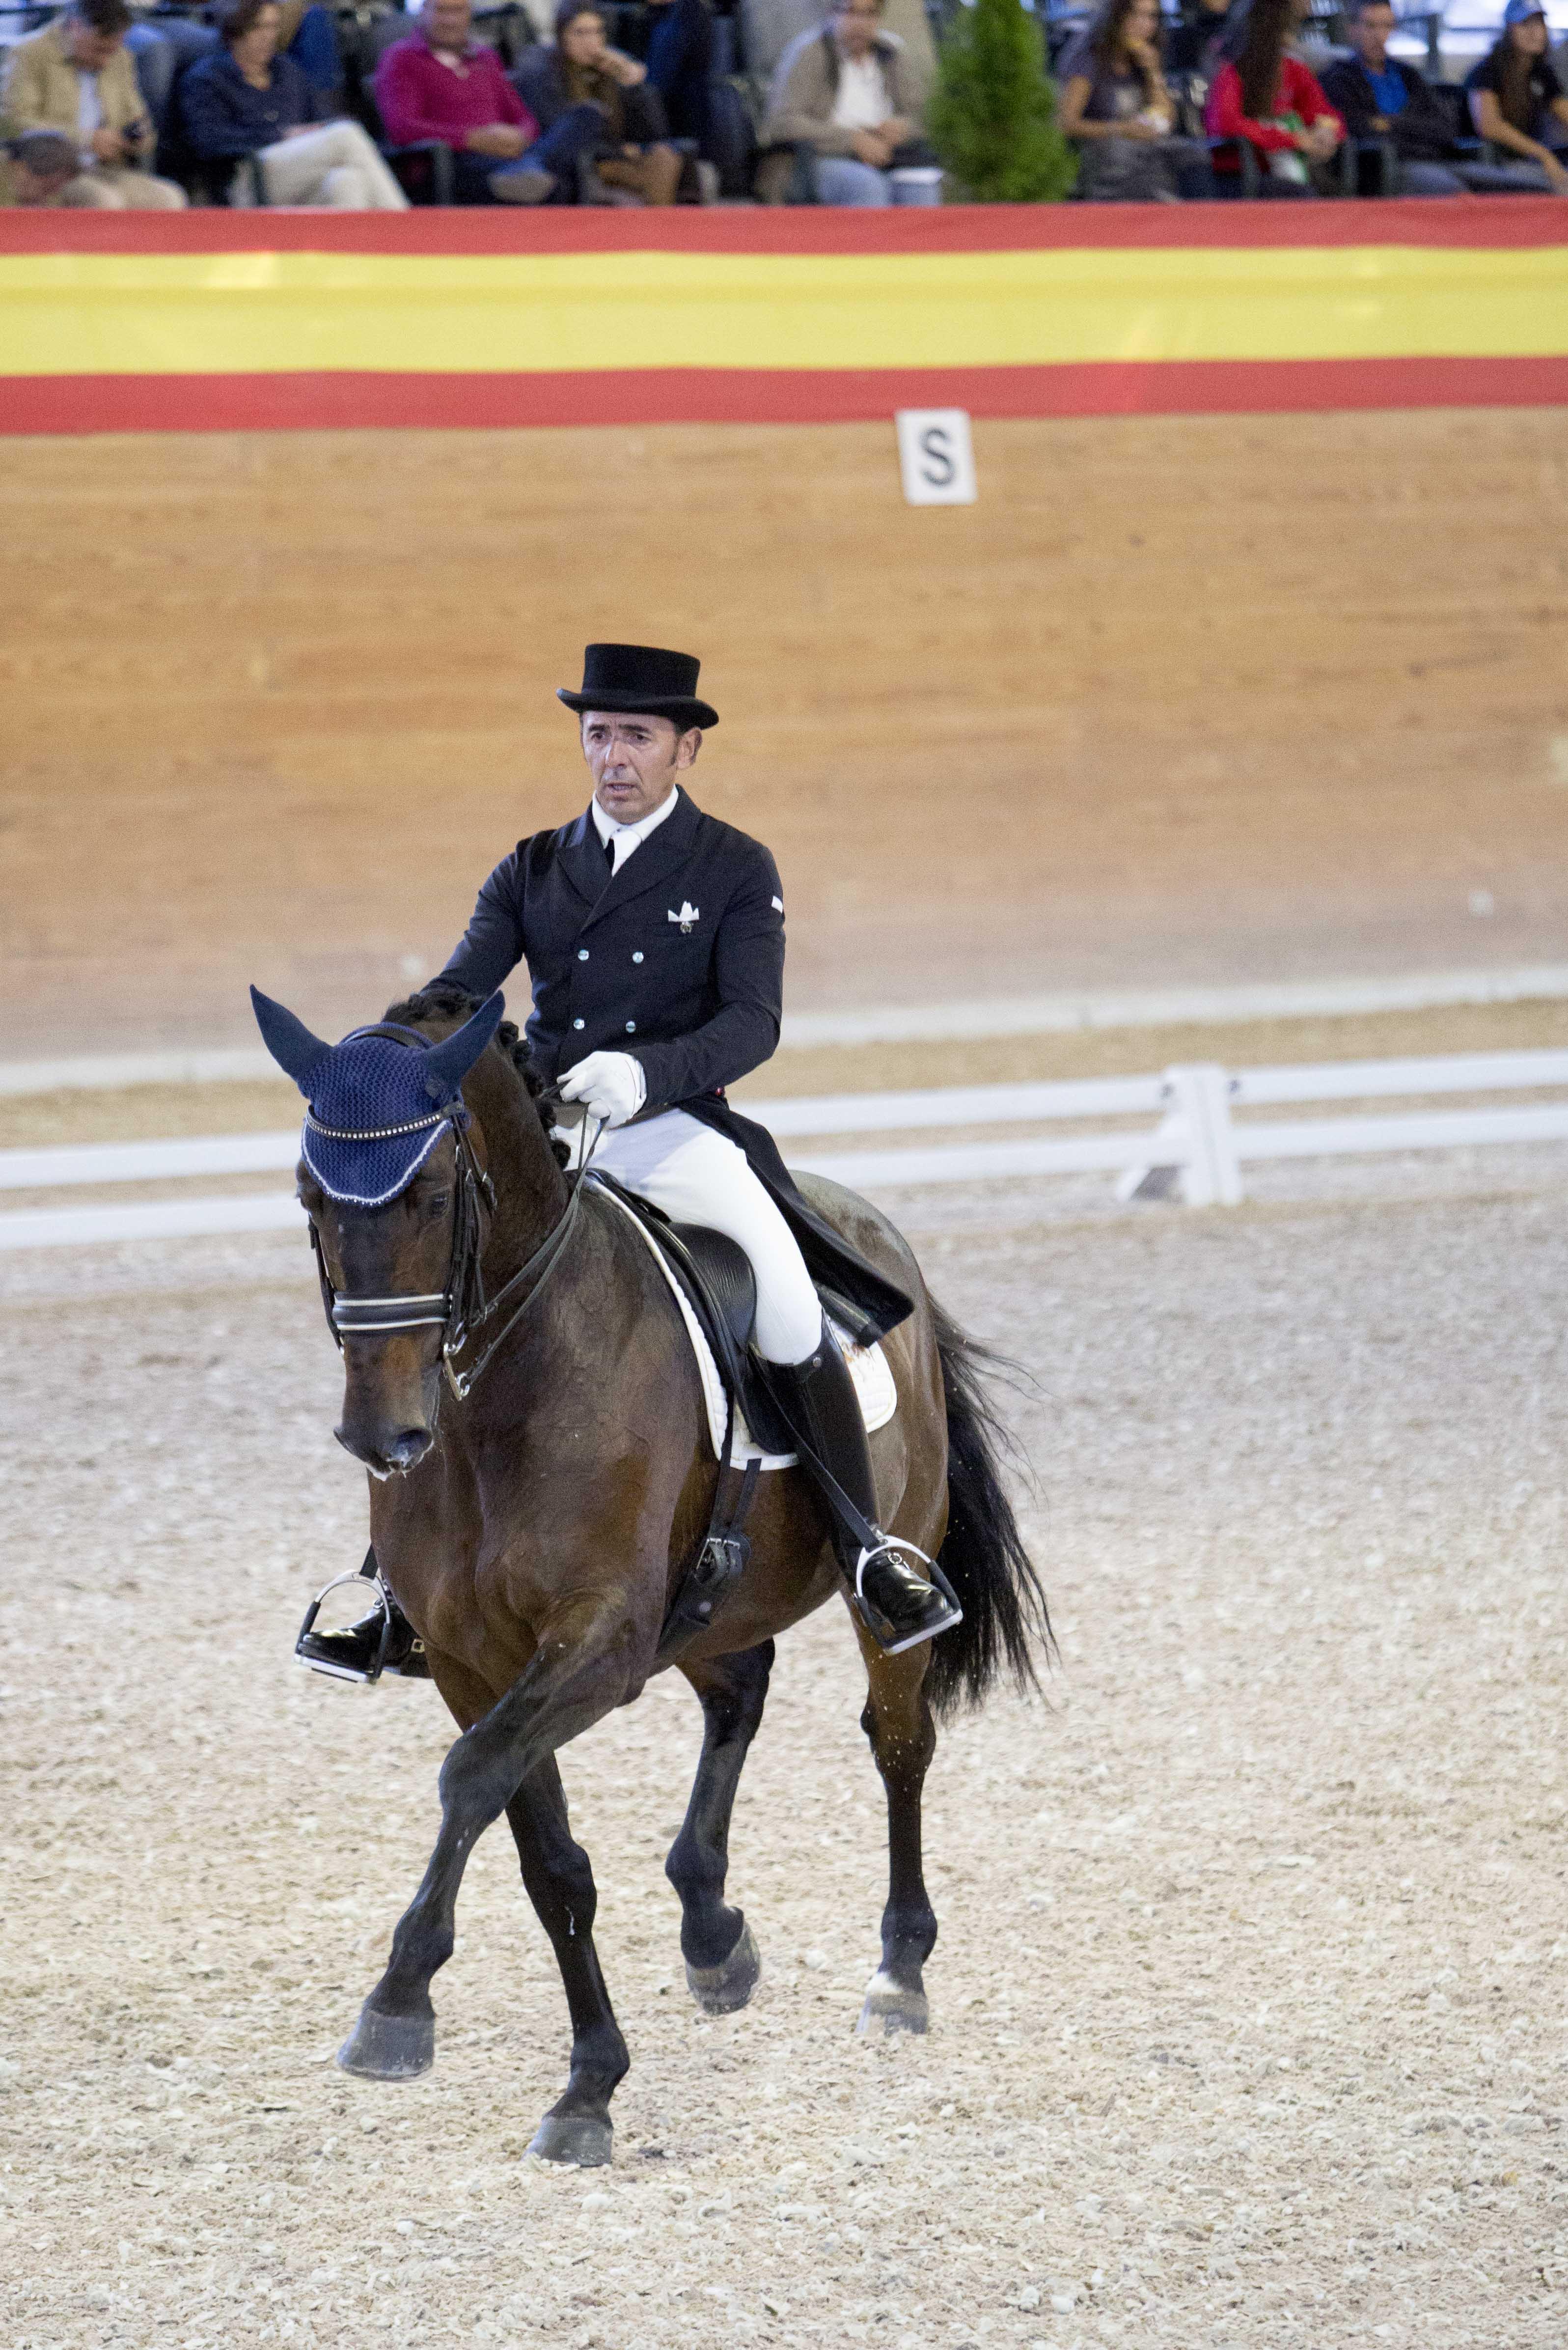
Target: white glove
[[611, 1085]]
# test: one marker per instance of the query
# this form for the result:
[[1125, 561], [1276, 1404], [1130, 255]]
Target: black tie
[[609, 850]]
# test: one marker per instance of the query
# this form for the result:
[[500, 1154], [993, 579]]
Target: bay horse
[[535, 1527]]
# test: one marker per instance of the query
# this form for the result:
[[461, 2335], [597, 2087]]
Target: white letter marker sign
[[937, 456]]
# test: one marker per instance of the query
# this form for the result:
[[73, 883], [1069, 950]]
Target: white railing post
[[1200, 1098]]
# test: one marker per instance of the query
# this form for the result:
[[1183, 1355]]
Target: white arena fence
[[1196, 1150]]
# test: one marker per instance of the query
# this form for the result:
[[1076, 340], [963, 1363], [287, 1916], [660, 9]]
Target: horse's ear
[[447, 1062], [289, 1040]]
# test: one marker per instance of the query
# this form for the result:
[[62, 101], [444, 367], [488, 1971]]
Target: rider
[[654, 936]]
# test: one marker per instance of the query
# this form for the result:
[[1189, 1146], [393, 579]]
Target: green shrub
[[992, 115]]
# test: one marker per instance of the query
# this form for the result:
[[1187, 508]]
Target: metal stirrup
[[880, 1548]]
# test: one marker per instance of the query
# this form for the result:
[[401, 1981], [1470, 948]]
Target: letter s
[[938, 469]]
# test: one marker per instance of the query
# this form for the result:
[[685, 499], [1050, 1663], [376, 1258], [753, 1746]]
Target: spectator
[[1516, 98], [1116, 106], [681, 63], [247, 100], [76, 76], [1381, 98], [1271, 102], [309, 35], [631, 152], [844, 91], [442, 84], [1191, 49], [36, 168]]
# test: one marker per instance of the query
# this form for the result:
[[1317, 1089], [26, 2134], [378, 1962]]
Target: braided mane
[[442, 999]]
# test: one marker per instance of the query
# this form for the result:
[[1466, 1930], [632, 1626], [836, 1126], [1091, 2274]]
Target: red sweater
[[421, 98], [1297, 93]]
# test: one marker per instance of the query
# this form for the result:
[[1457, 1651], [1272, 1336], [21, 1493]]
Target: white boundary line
[[970, 1021], [1197, 1149]]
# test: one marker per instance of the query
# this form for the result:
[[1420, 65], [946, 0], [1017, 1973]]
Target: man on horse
[[654, 936]]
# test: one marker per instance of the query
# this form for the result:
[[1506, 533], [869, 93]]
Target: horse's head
[[383, 1166]]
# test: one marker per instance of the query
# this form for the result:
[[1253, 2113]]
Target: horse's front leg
[[897, 1721], [559, 1878], [581, 1670], [722, 1962]]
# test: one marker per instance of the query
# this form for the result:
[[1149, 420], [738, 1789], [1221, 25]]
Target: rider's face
[[635, 761]]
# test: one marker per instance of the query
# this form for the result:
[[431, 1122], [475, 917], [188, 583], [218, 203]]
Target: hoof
[[389, 2047], [721, 1990], [894, 2006], [582, 2138]]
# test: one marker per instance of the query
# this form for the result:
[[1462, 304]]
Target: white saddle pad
[[868, 1368]]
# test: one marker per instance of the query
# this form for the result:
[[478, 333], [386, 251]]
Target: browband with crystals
[[379, 1133]]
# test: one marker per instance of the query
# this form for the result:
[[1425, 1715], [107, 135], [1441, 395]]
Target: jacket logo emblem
[[686, 917]]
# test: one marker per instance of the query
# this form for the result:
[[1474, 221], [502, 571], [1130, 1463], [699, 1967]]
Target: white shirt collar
[[629, 836]]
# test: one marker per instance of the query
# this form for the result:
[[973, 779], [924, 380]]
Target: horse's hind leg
[[560, 1882], [897, 1721], [722, 1961]]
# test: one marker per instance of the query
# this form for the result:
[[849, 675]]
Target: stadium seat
[[1456, 103]]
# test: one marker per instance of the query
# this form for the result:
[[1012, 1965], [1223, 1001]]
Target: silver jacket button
[[582, 954], [579, 1024], [631, 1027], [637, 956]]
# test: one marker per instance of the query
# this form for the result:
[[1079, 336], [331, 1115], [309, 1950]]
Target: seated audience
[[309, 36], [1517, 100], [1116, 106], [1381, 98], [247, 100], [36, 168], [846, 90], [681, 63], [632, 153], [442, 84], [1191, 49], [76, 76], [1270, 100]]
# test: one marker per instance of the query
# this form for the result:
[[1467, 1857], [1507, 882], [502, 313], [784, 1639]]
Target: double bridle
[[461, 1309]]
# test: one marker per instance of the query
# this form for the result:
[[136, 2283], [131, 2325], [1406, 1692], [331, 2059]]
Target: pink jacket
[[421, 98], [1298, 93]]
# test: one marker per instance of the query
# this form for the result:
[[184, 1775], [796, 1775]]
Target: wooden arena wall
[[1184, 697]]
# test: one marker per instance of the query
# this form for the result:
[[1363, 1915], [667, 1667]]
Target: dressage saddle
[[715, 1277]]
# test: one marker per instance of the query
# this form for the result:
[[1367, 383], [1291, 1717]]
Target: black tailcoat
[[678, 960]]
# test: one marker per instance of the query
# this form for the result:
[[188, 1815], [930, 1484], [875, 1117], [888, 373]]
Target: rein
[[461, 1310]]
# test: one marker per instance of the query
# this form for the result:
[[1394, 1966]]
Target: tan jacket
[[42, 87], [800, 104]]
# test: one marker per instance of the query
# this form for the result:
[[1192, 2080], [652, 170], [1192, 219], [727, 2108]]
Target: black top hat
[[642, 679]]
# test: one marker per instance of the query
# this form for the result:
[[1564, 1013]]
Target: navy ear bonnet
[[378, 1102]]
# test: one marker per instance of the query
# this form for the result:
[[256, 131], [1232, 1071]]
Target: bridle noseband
[[461, 1309]]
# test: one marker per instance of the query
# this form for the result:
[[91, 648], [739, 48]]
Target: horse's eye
[[439, 1203]]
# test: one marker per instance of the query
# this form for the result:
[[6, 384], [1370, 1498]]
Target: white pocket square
[[687, 915]]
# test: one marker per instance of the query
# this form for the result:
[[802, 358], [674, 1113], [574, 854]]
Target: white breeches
[[699, 1178]]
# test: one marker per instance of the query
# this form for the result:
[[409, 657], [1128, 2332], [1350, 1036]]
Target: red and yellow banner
[[210, 320]]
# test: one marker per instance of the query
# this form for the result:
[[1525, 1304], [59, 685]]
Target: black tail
[[1006, 1620]]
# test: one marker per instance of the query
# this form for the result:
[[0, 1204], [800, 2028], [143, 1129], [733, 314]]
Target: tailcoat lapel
[[581, 858], [651, 865]]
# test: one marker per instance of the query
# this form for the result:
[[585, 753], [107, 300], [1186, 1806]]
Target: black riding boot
[[383, 1641], [891, 1582]]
